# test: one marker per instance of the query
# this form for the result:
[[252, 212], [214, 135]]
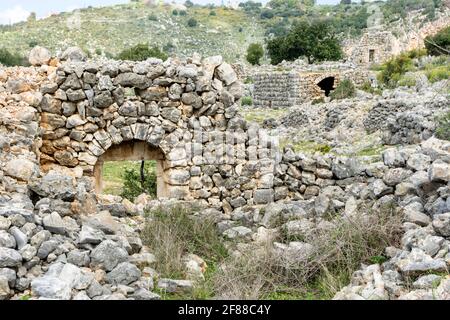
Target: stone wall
[[283, 89], [374, 46], [185, 109]]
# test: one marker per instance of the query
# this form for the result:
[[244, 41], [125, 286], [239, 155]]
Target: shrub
[[247, 101], [33, 43], [255, 52], [439, 44], [152, 17], [337, 252], [212, 13], [407, 81], [141, 52], [345, 89], [9, 59], [173, 232], [175, 12], [318, 101], [443, 127], [393, 69], [132, 185], [182, 13], [248, 80], [266, 14], [192, 22], [367, 87], [438, 73]]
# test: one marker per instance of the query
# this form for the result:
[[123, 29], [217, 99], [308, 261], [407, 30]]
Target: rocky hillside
[[108, 30], [228, 31]]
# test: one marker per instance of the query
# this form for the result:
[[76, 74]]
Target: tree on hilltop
[[315, 41]]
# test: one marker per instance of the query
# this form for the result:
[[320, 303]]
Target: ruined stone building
[[375, 46], [281, 89]]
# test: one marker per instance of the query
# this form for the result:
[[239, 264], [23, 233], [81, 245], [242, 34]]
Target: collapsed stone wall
[[406, 120]]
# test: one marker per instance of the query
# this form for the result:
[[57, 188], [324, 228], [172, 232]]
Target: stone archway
[[133, 150]]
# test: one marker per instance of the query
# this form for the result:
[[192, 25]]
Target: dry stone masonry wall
[[187, 110], [283, 89]]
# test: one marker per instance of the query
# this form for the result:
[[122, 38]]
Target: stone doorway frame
[[133, 150]]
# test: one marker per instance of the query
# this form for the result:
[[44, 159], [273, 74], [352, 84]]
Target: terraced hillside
[[108, 30]]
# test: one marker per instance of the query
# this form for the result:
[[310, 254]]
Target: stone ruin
[[59, 239], [181, 114], [276, 88], [373, 47]]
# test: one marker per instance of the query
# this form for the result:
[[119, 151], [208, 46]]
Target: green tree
[[315, 41], [439, 44], [9, 59], [136, 182], [346, 1], [142, 52], [192, 22], [255, 52]]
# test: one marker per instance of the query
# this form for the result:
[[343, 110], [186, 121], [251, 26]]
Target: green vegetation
[[141, 52], [260, 273], [438, 73], [371, 151], [394, 9], [403, 69], [443, 127], [171, 233], [123, 178], [318, 101], [367, 87], [394, 69], [316, 41], [345, 89], [439, 44], [255, 52], [133, 185], [10, 59], [247, 101], [192, 22], [309, 147], [259, 116], [135, 22], [407, 81]]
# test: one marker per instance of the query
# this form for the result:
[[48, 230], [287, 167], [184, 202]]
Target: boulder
[[125, 273], [39, 56], [73, 54], [108, 255]]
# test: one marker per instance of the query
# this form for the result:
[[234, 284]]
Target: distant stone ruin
[[283, 89]]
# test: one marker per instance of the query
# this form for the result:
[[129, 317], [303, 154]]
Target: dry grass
[[337, 253], [170, 233]]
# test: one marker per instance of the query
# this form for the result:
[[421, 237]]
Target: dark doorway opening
[[327, 85], [371, 55]]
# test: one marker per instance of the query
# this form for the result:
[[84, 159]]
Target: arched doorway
[[327, 85], [133, 150]]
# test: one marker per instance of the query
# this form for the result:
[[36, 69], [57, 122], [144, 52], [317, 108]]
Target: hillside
[[226, 31], [111, 29]]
